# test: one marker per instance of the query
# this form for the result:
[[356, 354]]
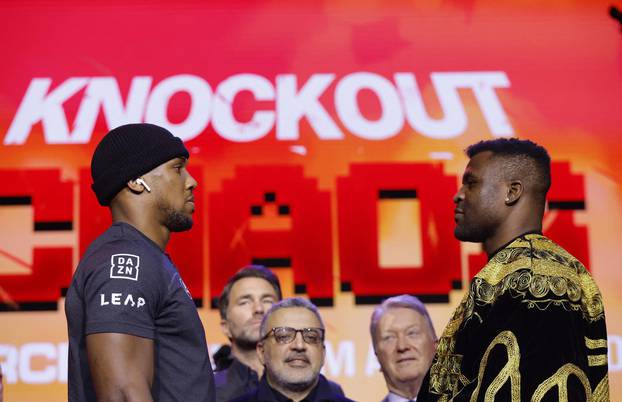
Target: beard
[[175, 221], [469, 233], [246, 341], [475, 232], [295, 385]]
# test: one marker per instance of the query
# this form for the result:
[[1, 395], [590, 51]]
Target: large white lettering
[[342, 362], [24, 363], [615, 353], [104, 93], [292, 105], [40, 106], [372, 366], [454, 121], [392, 118], [201, 98], [400, 101], [225, 124]]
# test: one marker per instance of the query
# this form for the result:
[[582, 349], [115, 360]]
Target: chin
[[462, 235], [181, 226]]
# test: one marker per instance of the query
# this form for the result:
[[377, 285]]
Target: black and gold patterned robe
[[531, 328]]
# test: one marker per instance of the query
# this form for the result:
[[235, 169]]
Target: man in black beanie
[[134, 331]]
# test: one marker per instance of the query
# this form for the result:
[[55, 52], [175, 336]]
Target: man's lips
[[406, 360], [458, 213], [298, 360]]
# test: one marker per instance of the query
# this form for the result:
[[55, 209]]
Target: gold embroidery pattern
[[560, 380], [509, 372], [597, 360], [532, 268], [445, 374], [601, 392], [595, 343]]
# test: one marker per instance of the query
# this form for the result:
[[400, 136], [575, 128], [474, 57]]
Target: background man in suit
[[244, 301], [404, 342], [292, 351]]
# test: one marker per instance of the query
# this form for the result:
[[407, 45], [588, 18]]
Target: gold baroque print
[[542, 305], [536, 278], [601, 392], [560, 380], [539, 286], [595, 343], [597, 360], [509, 372]]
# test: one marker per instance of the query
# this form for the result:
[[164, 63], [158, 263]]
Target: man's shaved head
[[519, 160]]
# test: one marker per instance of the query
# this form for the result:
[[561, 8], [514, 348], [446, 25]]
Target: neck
[[143, 222], [248, 357], [295, 396], [406, 389], [504, 237]]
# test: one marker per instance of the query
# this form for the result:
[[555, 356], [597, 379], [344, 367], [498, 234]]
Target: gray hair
[[289, 303], [404, 301]]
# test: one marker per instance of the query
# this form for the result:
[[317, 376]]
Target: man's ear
[[514, 192], [135, 186]]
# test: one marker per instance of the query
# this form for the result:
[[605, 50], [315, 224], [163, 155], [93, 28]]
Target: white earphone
[[141, 181]]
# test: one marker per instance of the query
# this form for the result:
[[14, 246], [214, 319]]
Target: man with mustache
[[532, 325], [404, 341], [243, 302], [292, 351], [134, 330]]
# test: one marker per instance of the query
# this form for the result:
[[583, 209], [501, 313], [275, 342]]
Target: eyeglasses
[[312, 336]]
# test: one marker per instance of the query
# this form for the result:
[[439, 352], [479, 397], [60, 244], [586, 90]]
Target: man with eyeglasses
[[292, 352], [244, 300]]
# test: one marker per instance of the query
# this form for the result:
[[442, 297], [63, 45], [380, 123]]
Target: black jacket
[[233, 378], [322, 392]]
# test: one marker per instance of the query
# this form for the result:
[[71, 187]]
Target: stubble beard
[[297, 385], [472, 232], [246, 341], [468, 234], [175, 221]]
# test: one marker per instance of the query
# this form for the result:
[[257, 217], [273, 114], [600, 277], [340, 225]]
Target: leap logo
[[124, 266]]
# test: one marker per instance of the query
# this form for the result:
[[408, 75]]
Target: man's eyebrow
[[467, 175]]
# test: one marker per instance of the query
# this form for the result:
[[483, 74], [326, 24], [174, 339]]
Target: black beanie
[[128, 152]]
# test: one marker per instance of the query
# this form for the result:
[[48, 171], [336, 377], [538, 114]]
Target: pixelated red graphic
[[300, 239], [50, 272], [358, 197], [305, 246]]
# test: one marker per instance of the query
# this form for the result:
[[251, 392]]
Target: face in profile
[[480, 200], [405, 345], [292, 363], [249, 299], [173, 186]]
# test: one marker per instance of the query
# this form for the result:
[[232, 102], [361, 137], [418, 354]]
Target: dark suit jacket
[[233, 378], [322, 392]]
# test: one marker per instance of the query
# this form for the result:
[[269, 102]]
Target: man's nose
[[402, 344], [459, 196], [298, 343], [191, 183], [258, 307]]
